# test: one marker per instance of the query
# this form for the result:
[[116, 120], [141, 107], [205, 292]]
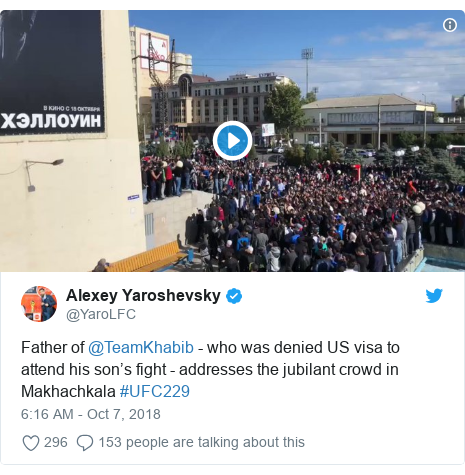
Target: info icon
[[232, 140], [450, 25]]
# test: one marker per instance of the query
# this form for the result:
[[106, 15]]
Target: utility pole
[[379, 123], [424, 126], [307, 53]]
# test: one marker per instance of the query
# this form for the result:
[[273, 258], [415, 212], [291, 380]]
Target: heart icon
[[30, 442]]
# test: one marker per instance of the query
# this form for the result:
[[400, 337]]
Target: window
[[234, 102], [219, 92], [266, 88], [215, 102], [246, 89], [271, 87], [235, 111], [209, 92], [255, 118], [228, 91], [235, 117], [245, 101], [258, 88], [255, 101], [198, 103], [205, 92], [255, 110], [207, 112], [198, 112], [215, 112], [246, 118], [225, 103]]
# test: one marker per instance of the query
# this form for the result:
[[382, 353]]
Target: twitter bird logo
[[433, 296]]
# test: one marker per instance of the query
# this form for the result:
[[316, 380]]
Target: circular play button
[[232, 140]]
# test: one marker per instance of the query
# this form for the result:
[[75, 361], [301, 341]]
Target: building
[[354, 120], [198, 104], [458, 104], [139, 38], [67, 217]]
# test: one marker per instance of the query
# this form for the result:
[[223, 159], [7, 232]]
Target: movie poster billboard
[[160, 51], [51, 72], [268, 130]]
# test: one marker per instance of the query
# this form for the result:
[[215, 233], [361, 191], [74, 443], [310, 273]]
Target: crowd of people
[[320, 218]]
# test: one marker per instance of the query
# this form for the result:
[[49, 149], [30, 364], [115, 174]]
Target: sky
[[355, 52]]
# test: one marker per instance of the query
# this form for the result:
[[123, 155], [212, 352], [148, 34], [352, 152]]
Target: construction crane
[[162, 87]]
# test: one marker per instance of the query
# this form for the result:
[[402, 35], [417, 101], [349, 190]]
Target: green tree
[[309, 98], [369, 146], [386, 155], [163, 149], [405, 140], [188, 146], [294, 155], [283, 108], [311, 154], [253, 153], [353, 158]]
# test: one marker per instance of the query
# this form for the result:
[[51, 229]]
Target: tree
[[311, 154], [294, 155], [386, 155], [283, 108], [163, 149], [369, 146], [188, 146], [309, 98], [353, 158], [253, 153], [405, 140]]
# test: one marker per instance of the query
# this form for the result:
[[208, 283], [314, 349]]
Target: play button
[[232, 140]]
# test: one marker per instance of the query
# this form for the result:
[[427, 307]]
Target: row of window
[[215, 102], [230, 90]]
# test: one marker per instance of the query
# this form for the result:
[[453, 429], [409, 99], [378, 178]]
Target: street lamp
[[424, 127], [31, 188], [415, 149], [399, 154], [449, 148]]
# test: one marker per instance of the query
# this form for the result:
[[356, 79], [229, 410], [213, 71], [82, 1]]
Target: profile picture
[[39, 303]]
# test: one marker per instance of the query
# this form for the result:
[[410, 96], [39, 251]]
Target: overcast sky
[[355, 53]]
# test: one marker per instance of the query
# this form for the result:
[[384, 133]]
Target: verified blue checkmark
[[234, 296]]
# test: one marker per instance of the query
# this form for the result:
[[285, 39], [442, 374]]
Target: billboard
[[160, 47], [51, 72], [267, 130]]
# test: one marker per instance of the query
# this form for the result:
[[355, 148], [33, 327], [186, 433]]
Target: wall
[[79, 212], [170, 215]]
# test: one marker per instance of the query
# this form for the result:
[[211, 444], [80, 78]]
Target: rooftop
[[363, 101]]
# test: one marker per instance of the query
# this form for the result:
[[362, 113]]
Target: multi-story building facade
[[198, 104], [354, 120], [139, 38]]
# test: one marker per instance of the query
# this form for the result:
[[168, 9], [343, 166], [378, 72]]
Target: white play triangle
[[232, 140]]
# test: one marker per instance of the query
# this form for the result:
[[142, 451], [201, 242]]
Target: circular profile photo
[[39, 303]]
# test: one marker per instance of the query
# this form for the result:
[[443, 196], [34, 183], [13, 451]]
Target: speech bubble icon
[[85, 442]]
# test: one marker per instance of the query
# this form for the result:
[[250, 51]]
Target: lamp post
[[449, 148], [424, 126], [399, 154], [415, 149], [31, 188]]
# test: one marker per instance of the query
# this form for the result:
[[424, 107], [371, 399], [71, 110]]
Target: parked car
[[278, 150]]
